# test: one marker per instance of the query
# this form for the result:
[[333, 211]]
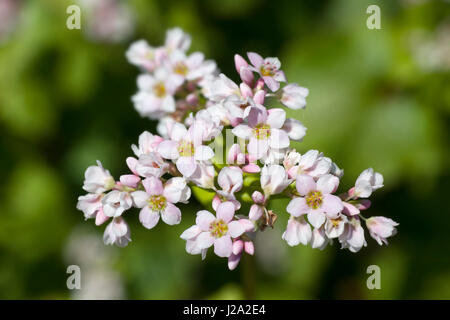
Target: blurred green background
[[378, 98]]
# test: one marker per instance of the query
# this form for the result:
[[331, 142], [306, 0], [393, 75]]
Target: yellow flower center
[[186, 149], [314, 199], [159, 89], [336, 222], [267, 70], [157, 203], [261, 131], [218, 228], [181, 68]]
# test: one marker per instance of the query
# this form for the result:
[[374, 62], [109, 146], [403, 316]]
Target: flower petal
[[223, 246], [305, 184], [148, 218], [297, 207], [171, 214], [235, 229], [225, 211], [204, 219]]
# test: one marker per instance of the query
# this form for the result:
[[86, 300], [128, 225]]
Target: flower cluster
[[231, 141]]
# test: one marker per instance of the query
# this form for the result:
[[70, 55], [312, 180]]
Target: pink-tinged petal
[[279, 139], [153, 186], [242, 131], [247, 76], [223, 246], [259, 96], [235, 229], [130, 180], [215, 202], [203, 153], [186, 165], [297, 207], [255, 59], [258, 147], [148, 218], [100, 217], [205, 240], [246, 91], [239, 62], [350, 209], [280, 76], [305, 184], [168, 149], [238, 246], [257, 114], [258, 197], [225, 211], [271, 83], [256, 212], [248, 225], [204, 219], [327, 183], [249, 247], [171, 214], [132, 163], [191, 232], [332, 205], [276, 118], [316, 218], [177, 132], [140, 198], [251, 168], [291, 235], [233, 261]]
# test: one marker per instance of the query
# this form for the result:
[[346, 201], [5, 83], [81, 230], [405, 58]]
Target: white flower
[[297, 231], [97, 179], [116, 202], [274, 179], [117, 232], [294, 96], [367, 182]]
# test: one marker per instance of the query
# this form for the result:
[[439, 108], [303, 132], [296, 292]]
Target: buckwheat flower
[[311, 163], [381, 228], [147, 143], [294, 96], [141, 54], [217, 230], [274, 179], [297, 231], [291, 158], [239, 246], [335, 227], [117, 232], [268, 69], [319, 239], [230, 179], [185, 148], [353, 236], [151, 164], [316, 199], [158, 200], [263, 130], [367, 182], [190, 67], [116, 202], [177, 39], [155, 96], [97, 179], [90, 204]]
